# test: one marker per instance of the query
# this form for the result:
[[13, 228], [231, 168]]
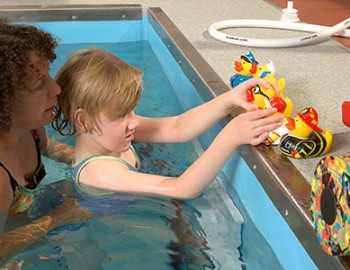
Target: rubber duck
[[305, 138], [268, 97], [245, 69], [263, 70]]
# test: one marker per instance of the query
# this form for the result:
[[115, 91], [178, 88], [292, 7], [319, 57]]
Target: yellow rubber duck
[[268, 97], [245, 68], [263, 70], [305, 138]]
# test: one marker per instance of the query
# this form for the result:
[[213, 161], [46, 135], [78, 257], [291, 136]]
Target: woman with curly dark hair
[[27, 98]]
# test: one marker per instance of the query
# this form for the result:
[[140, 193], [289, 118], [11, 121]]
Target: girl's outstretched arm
[[194, 122], [247, 128]]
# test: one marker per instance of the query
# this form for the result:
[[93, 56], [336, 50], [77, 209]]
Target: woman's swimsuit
[[24, 195], [103, 201]]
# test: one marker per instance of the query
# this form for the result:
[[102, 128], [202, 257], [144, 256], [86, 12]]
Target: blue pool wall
[[248, 195], [241, 183]]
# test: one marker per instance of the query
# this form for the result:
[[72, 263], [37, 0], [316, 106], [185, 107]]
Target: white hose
[[319, 33]]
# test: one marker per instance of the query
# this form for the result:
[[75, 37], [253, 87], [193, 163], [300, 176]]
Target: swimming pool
[[185, 72]]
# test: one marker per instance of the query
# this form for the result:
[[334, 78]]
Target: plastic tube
[[319, 32]]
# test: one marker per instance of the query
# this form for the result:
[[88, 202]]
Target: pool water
[[154, 233]]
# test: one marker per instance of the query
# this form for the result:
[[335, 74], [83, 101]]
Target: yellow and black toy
[[305, 138]]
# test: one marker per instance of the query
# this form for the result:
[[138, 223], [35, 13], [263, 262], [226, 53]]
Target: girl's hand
[[253, 127], [238, 95]]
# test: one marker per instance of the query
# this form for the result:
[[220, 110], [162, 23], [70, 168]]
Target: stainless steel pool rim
[[54, 13], [281, 180]]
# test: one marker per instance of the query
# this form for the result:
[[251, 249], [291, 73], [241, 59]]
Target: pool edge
[[43, 13], [286, 187]]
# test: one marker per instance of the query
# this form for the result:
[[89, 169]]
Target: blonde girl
[[97, 103]]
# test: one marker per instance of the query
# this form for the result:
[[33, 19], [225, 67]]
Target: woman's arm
[[194, 122], [53, 149], [17, 240]]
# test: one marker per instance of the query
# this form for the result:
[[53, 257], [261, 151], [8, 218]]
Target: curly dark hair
[[16, 41]]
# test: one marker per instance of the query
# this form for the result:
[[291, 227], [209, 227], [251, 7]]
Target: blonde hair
[[96, 81]]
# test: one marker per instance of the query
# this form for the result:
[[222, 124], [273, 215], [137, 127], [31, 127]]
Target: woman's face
[[35, 108]]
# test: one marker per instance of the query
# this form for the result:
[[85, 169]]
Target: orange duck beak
[[290, 123], [238, 66]]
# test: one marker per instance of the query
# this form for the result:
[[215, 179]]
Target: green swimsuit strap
[[78, 166]]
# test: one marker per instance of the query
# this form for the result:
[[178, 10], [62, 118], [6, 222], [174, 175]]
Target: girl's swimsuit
[[24, 195], [77, 167], [102, 201]]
